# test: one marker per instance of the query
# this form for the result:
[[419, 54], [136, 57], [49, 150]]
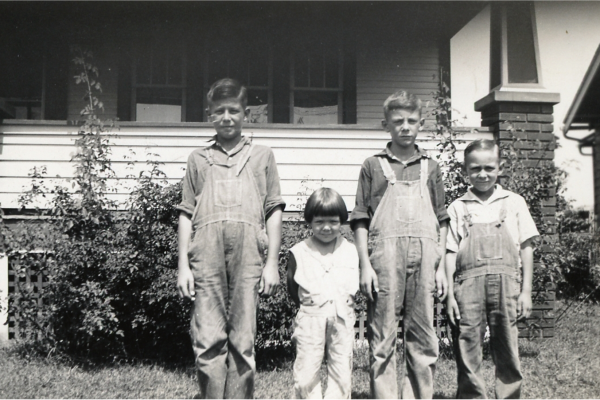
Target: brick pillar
[[529, 116]]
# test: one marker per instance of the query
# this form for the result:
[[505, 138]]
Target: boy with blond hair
[[400, 213]]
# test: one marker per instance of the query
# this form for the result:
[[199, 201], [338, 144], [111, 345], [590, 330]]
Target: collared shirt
[[372, 183], [262, 163], [518, 219]]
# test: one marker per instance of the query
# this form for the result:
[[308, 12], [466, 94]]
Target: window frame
[[339, 89], [135, 85], [503, 54]]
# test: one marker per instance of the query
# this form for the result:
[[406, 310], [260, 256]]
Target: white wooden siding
[[307, 157], [383, 68]]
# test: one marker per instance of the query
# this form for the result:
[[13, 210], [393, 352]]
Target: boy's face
[[326, 228], [227, 116], [483, 168], [403, 125]]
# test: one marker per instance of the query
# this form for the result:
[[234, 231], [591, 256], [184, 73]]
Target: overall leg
[[383, 316], [420, 340], [340, 341], [209, 313], [309, 338], [503, 292], [468, 337], [244, 269]]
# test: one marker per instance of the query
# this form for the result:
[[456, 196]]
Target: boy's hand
[[269, 279], [524, 305], [452, 310], [369, 283], [185, 284], [441, 282]]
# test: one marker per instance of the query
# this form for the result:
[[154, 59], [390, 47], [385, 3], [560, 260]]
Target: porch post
[[528, 116]]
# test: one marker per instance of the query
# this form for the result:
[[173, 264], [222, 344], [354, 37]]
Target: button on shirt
[[262, 162], [372, 183], [518, 219]]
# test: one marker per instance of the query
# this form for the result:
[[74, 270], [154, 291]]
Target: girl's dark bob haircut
[[325, 202]]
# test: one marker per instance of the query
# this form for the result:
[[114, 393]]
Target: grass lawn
[[567, 366]]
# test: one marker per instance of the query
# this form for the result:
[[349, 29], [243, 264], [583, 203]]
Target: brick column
[[528, 117]]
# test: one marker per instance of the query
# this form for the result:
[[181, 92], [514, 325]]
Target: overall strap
[[503, 213], [424, 174], [244, 160], [467, 217], [210, 156], [388, 172]]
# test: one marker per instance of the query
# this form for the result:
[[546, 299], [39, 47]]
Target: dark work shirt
[[372, 183]]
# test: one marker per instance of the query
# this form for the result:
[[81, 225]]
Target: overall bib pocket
[[408, 209], [228, 193], [489, 247]]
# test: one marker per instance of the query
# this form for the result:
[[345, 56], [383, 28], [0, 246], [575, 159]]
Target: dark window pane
[[144, 66], [159, 96], [332, 70], [174, 69], [301, 69], [159, 69], [258, 74], [520, 40], [312, 107], [317, 68]]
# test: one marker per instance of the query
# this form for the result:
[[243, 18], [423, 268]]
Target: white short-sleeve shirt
[[518, 219]]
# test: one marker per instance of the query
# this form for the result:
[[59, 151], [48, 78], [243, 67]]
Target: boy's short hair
[[402, 100], [227, 88], [482, 144], [325, 202]]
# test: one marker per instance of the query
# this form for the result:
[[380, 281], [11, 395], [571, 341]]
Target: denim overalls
[[486, 290], [404, 234], [226, 256]]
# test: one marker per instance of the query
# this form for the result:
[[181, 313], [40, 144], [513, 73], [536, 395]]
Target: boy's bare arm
[[441, 280], [368, 278], [291, 283], [185, 278], [524, 303], [451, 305], [270, 275]]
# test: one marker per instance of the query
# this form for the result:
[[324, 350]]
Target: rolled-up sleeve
[[453, 238], [273, 198], [363, 193], [527, 228], [189, 187]]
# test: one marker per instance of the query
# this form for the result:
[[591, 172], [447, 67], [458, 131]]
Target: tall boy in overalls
[[230, 217], [490, 231], [400, 212]]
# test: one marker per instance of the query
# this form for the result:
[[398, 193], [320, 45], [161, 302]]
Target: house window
[[515, 60], [316, 85], [249, 63], [159, 82]]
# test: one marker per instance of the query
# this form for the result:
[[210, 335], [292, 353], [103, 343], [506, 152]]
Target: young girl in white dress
[[322, 280]]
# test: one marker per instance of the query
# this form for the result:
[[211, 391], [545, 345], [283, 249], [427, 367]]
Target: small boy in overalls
[[230, 217], [400, 212], [490, 236]]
